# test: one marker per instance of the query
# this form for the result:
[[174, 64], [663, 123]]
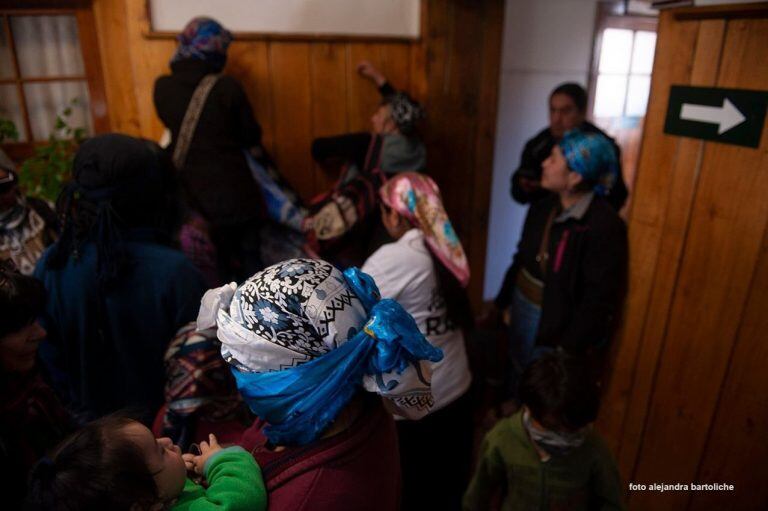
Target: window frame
[[93, 76], [608, 17]]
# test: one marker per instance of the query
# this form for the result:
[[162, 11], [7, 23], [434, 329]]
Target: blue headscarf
[[203, 39], [593, 157], [303, 338]]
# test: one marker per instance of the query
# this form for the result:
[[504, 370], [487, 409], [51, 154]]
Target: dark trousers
[[435, 457], [238, 247]]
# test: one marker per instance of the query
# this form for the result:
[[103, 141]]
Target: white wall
[[546, 42]]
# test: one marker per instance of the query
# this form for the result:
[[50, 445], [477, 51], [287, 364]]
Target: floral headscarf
[[302, 337], [417, 198], [592, 155], [203, 39]]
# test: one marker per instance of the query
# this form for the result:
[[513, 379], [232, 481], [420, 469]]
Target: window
[[44, 70], [620, 81], [624, 73]]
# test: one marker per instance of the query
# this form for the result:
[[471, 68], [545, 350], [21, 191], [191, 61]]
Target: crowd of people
[[183, 332]]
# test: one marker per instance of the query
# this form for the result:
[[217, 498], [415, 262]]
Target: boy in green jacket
[[546, 456], [116, 463]]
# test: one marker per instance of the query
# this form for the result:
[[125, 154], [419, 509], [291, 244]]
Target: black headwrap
[[118, 184]]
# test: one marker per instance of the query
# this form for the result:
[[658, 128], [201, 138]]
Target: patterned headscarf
[[405, 111], [593, 156], [203, 39], [199, 385], [302, 337], [417, 198]]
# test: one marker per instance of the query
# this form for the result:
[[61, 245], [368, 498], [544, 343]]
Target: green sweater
[[234, 484], [584, 479]]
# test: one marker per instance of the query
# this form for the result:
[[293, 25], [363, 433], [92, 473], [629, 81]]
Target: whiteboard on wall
[[345, 18]]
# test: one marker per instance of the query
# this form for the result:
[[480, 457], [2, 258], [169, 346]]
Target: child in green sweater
[[546, 456], [116, 463]]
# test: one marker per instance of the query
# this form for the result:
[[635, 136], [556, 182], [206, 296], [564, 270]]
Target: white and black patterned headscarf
[[287, 314], [297, 311], [405, 111]]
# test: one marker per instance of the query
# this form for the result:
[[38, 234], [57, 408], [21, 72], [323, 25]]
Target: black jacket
[[586, 273], [215, 176], [539, 148]]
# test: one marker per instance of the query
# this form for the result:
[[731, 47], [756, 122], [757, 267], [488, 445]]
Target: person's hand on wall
[[368, 70]]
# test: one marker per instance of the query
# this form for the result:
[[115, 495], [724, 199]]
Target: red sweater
[[356, 469]]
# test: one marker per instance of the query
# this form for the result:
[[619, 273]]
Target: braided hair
[[120, 183]]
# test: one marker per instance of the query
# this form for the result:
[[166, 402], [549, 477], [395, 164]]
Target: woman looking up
[[565, 285]]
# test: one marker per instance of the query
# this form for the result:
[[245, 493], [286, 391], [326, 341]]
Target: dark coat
[[586, 273], [215, 176], [539, 148]]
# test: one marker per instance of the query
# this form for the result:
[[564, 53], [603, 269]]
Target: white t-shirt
[[405, 272]]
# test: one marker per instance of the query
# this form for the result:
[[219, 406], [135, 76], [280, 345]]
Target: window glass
[[48, 99], [637, 95], [642, 52], [609, 95], [615, 51], [47, 46]]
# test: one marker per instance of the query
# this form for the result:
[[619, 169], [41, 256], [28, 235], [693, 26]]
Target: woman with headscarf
[[27, 225], [312, 349], [426, 271], [565, 285], [344, 222], [117, 291], [212, 123]]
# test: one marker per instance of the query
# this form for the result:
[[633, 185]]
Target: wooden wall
[[300, 90], [687, 401]]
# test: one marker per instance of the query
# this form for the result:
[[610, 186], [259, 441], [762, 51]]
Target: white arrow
[[726, 116]]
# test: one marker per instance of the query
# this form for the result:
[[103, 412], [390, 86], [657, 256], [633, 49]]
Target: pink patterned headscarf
[[417, 198]]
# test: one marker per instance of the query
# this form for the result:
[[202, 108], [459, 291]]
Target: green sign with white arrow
[[731, 116]]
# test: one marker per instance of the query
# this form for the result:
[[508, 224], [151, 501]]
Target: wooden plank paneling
[[291, 97], [485, 139], [645, 228], [362, 96], [329, 76], [681, 182], [114, 48], [718, 262], [148, 60], [737, 439]]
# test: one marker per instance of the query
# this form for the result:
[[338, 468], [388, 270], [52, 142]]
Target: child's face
[[163, 459]]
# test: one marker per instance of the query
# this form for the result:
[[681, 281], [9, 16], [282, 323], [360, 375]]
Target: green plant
[[8, 130], [44, 174]]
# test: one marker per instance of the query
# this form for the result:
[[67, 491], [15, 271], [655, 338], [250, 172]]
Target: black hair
[[119, 183], [95, 469], [22, 300], [560, 392], [574, 91]]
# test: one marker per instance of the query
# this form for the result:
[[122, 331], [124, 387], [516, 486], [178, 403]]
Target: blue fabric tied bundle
[[300, 402]]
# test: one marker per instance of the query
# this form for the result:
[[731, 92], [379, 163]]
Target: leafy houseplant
[[49, 168], [8, 130]]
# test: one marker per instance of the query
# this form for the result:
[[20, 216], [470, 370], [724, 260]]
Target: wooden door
[[687, 400]]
